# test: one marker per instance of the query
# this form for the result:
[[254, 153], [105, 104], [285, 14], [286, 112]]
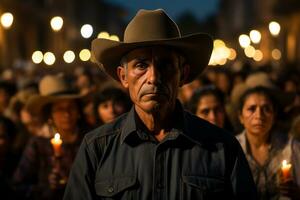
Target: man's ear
[[121, 71], [184, 74]]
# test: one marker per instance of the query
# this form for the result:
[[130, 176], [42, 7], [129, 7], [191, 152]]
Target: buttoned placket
[[160, 166], [159, 173]]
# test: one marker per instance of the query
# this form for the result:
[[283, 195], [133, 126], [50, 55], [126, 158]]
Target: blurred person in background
[[85, 83], [208, 103], [266, 148], [7, 90], [8, 159], [223, 81], [185, 92], [40, 174], [110, 103]]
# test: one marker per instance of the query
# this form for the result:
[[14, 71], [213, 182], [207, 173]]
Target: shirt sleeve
[[81, 180], [242, 182]]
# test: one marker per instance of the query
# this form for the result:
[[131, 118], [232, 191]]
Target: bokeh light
[[86, 31], [56, 23], [69, 56], [255, 36], [244, 40], [276, 54], [274, 28], [37, 57], [258, 56], [85, 55], [49, 58], [7, 20]]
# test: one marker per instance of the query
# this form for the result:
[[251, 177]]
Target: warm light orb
[[258, 56], [244, 40], [114, 38], [37, 57], [85, 55], [86, 31], [219, 43], [7, 20], [56, 23], [49, 58], [255, 36], [276, 54], [103, 35], [249, 51], [232, 54], [69, 56], [274, 28]]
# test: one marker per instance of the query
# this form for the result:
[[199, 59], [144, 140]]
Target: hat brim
[[36, 103], [196, 48]]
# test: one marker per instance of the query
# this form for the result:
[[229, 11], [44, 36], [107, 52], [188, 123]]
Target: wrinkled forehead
[[153, 52]]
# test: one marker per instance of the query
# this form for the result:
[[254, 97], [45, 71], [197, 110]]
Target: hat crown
[[51, 85], [150, 25]]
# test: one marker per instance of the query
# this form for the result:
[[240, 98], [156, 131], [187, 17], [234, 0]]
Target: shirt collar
[[133, 127]]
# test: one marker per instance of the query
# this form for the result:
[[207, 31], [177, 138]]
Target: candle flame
[[284, 163], [56, 136]]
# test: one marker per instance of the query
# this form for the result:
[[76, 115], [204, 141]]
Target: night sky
[[200, 8]]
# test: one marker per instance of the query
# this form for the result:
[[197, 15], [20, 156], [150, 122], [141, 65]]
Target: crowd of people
[[260, 106]]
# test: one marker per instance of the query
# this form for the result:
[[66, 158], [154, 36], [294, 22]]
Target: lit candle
[[56, 144], [286, 169]]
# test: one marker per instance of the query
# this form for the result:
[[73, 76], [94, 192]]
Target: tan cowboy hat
[[260, 79], [52, 89], [149, 28]]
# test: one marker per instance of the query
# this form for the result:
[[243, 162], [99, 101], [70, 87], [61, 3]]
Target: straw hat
[[150, 28], [51, 88]]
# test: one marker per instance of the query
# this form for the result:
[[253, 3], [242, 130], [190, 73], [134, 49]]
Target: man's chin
[[153, 106]]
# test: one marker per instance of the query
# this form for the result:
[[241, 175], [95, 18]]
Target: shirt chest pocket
[[117, 188], [197, 187]]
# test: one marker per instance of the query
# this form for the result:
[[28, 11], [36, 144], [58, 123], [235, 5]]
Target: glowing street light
[[274, 28], [103, 35], [49, 58], [37, 57], [86, 31], [56, 23], [258, 56], [244, 40], [69, 56], [85, 55], [7, 20], [276, 54], [255, 36], [114, 38], [249, 51]]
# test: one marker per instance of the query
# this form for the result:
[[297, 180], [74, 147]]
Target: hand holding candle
[[56, 143], [286, 170]]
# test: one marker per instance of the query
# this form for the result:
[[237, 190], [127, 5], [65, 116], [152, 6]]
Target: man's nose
[[212, 117], [154, 74]]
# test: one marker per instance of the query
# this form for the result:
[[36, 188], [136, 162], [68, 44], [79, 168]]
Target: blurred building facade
[[238, 17], [31, 28]]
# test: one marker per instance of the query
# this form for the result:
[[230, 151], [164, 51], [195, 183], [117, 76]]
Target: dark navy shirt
[[196, 160]]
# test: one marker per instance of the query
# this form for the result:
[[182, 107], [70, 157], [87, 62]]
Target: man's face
[[152, 78]]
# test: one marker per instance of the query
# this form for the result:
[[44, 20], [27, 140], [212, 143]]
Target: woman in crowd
[[110, 103], [41, 173], [265, 149], [208, 104]]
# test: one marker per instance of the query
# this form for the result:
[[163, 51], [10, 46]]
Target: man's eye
[[205, 112], [141, 65], [251, 108]]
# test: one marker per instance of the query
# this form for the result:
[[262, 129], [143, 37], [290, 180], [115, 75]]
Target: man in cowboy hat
[[157, 150]]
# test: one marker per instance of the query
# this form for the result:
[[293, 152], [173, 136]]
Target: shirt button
[[110, 189]]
